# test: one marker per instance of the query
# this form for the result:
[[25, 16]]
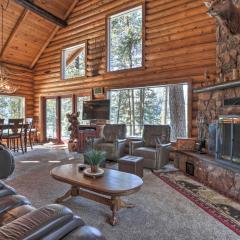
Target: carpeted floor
[[226, 210], [161, 213]]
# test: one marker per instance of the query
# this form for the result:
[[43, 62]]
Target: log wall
[[180, 46], [23, 78]]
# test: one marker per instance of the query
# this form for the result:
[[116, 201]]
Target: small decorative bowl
[[82, 167]]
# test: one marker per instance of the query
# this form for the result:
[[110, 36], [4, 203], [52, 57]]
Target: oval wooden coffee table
[[106, 189]]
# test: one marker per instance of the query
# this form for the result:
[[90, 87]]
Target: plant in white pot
[[94, 159]]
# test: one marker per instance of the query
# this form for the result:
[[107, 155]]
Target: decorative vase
[[94, 168], [202, 146]]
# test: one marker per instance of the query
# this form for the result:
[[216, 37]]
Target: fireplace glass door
[[228, 139], [236, 143]]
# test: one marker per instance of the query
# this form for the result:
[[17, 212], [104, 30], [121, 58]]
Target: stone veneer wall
[[227, 59], [207, 170], [228, 52], [211, 173], [212, 103]]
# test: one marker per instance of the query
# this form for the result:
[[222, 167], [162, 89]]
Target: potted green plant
[[94, 159]]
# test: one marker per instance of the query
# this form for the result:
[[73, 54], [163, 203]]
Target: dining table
[[25, 126]]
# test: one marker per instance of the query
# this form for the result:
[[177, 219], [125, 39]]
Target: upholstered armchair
[[154, 147], [112, 141]]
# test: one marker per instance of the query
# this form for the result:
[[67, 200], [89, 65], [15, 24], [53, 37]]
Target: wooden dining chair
[[29, 121], [14, 134], [32, 132]]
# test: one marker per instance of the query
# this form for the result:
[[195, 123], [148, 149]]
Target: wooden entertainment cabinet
[[85, 132]]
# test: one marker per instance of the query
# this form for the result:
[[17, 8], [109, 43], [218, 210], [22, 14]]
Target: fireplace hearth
[[228, 139]]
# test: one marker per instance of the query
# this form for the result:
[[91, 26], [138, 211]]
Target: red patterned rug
[[220, 207]]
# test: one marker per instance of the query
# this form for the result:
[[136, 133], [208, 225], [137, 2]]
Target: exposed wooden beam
[[42, 12], [14, 31], [53, 33]]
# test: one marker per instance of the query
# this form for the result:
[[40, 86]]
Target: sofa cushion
[[108, 147], [7, 164], [85, 233], [112, 132], [149, 155], [6, 190], [145, 152], [15, 213], [12, 201], [38, 224], [156, 134]]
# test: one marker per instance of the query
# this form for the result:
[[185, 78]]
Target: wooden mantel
[[220, 86]]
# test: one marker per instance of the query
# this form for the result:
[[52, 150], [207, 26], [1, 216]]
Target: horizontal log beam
[[3, 61], [42, 12]]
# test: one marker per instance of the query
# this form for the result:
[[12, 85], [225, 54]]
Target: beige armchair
[[112, 141], [154, 147]]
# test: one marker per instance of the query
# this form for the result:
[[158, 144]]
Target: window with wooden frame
[[12, 107], [74, 61], [155, 105], [125, 40]]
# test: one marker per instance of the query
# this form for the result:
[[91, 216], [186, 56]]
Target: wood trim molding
[[53, 34], [16, 65], [14, 31], [190, 108], [42, 12]]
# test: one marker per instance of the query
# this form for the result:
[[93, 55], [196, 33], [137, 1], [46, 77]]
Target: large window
[[74, 62], [12, 107], [152, 105], [125, 40]]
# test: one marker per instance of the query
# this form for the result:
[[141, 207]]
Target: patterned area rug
[[220, 207]]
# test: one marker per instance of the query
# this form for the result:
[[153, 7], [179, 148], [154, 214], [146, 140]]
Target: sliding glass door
[[66, 107], [55, 109], [51, 119]]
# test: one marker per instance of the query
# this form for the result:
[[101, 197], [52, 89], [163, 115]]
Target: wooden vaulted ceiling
[[26, 34]]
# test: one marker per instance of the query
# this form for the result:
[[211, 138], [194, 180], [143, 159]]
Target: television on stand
[[96, 110]]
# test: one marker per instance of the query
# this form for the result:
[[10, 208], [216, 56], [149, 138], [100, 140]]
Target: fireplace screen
[[228, 138]]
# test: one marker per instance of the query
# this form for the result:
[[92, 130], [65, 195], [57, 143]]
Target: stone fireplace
[[219, 106], [220, 167]]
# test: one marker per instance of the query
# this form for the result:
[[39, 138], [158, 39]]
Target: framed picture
[[98, 91]]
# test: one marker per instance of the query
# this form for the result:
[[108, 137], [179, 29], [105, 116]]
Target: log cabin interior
[[120, 119]]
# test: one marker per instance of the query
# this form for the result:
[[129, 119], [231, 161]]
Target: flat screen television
[[96, 110]]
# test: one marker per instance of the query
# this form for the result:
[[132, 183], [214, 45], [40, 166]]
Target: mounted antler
[[226, 13]]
